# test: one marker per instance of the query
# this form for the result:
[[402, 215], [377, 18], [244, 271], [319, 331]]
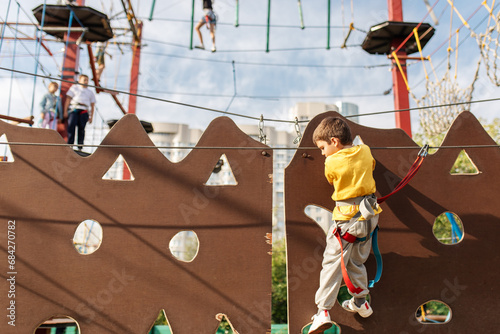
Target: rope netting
[[489, 46], [445, 91], [445, 97]]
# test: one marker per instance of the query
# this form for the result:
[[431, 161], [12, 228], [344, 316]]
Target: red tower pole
[[401, 95], [69, 71], [134, 72], [134, 82]]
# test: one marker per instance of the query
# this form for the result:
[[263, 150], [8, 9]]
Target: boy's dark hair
[[333, 127]]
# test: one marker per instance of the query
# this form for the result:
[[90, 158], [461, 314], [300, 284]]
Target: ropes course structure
[[435, 120], [446, 89], [443, 100], [489, 44]]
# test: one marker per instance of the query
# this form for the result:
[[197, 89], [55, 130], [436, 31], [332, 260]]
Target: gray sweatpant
[[355, 255]]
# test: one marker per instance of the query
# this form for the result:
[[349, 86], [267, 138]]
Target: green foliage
[[279, 290], [436, 308], [493, 129], [161, 319], [224, 327], [191, 246], [442, 229]]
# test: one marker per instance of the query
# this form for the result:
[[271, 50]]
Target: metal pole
[[4, 25], [134, 72], [192, 28], [237, 24], [13, 64], [301, 16], [37, 51], [268, 23], [69, 68], [401, 95], [328, 25], [152, 10]]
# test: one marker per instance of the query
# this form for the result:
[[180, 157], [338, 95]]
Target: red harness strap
[[347, 280], [411, 173]]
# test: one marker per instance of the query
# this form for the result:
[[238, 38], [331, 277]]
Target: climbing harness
[[366, 205]]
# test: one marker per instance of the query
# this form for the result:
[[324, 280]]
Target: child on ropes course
[[210, 19], [350, 170]]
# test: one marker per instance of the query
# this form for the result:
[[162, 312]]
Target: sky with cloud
[[241, 77]]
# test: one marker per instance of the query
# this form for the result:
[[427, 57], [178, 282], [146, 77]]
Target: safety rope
[[411, 173], [252, 117], [395, 56], [417, 38], [418, 25]]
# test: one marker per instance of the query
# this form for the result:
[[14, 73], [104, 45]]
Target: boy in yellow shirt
[[350, 170]]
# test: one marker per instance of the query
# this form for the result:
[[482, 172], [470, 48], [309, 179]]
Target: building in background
[[305, 111], [349, 110]]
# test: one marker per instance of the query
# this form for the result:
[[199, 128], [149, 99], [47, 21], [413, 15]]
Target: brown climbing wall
[[417, 268], [48, 190]]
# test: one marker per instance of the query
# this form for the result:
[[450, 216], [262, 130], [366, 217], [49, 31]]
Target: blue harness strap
[[378, 257]]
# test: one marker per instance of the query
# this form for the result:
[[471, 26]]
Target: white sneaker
[[321, 322], [202, 47], [213, 48], [364, 310]]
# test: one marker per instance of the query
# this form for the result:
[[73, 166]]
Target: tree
[[279, 286]]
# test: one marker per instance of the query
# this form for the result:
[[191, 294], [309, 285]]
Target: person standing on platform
[[79, 109], [50, 107]]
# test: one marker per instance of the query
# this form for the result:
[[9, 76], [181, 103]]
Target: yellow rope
[[458, 13], [415, 32], [432, 67], [351, 28], [490, 10], [422, 310], [401, 70]]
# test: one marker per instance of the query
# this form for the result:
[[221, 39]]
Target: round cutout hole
[[184, 246], [448, 228], [433, 312], [88, 237]]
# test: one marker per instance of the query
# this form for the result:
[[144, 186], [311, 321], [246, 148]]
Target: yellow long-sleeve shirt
[[350, 171]]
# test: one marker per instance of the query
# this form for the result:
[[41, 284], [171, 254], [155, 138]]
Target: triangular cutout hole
[[321, 216], [119, 171], [464, 165], [357, 140], [225, 325], [5, 152], [161, 324], [222, 174]]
